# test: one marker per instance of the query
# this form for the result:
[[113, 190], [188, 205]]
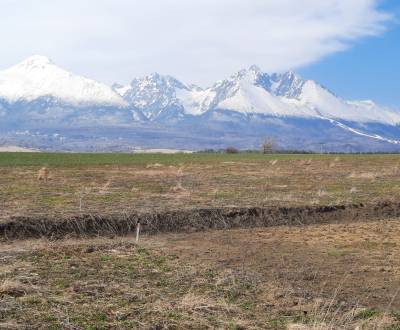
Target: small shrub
[[366, 314], [231, 150]]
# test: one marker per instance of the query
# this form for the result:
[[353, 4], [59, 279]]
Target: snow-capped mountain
[[251, 92], [38, 77], [54, 108], [38, 94]]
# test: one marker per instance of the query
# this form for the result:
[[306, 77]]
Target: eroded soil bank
[[192, 220]]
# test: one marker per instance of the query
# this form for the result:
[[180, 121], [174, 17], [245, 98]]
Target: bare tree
[[267, 146]]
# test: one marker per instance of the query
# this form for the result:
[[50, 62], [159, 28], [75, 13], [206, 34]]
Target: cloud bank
[[204, 40]]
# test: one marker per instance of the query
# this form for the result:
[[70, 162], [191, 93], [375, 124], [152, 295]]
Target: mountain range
[[45, 107]]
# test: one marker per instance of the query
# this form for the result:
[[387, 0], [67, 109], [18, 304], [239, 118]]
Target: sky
[[370, 69], [350, 46]]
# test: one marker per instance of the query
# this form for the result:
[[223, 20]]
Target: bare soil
[[354, 263]]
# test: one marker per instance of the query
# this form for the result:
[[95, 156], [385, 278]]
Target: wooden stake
[[137, 232]]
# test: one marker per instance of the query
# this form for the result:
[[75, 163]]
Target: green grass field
[[87, 159], [115, 183]]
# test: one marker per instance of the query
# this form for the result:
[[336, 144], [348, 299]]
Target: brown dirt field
[[326, 276], [360, 260]]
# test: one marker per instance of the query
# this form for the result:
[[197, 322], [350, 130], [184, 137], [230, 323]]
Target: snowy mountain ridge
[[252, 91], [58, 109]]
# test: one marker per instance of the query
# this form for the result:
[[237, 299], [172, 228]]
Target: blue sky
[[350, 46], [370, 69]]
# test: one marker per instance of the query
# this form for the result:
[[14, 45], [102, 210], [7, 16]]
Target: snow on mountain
[[245, 92], [251, 91], [254, 92], [287, 85], [328, 105], [152, 94], [38, 77], [357, 132], [158, 110], [121, 89]]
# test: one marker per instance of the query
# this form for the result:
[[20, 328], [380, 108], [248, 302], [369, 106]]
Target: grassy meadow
[[91, 159], [117, 183]]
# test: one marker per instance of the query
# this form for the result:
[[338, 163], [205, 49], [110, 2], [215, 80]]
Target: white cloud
[[198, 41]]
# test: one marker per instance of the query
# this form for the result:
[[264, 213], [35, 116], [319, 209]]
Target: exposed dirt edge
[[192, 220]]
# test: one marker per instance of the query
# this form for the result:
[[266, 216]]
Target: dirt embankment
[[192, 220]]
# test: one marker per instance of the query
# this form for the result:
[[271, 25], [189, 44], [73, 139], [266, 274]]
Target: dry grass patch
[[15, 288], [193, 303], [238, 279], [365, 175]]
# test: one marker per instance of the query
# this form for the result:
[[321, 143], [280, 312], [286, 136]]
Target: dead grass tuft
[[156, 165], [43, 174], [365, 175], [200, 304], [14, 288], [353, 190], [178, 188], [273, 162], [295, 326], [105, 188], [322, 193]]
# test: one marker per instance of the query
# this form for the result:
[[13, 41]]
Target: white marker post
[[80, 202], [137, 232]]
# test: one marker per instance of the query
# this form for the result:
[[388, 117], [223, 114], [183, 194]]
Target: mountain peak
[[254, 68], [291, 74], [288, 75], [158, 82], [35, 61], [251, 74], [155, 75], [37, 77]]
